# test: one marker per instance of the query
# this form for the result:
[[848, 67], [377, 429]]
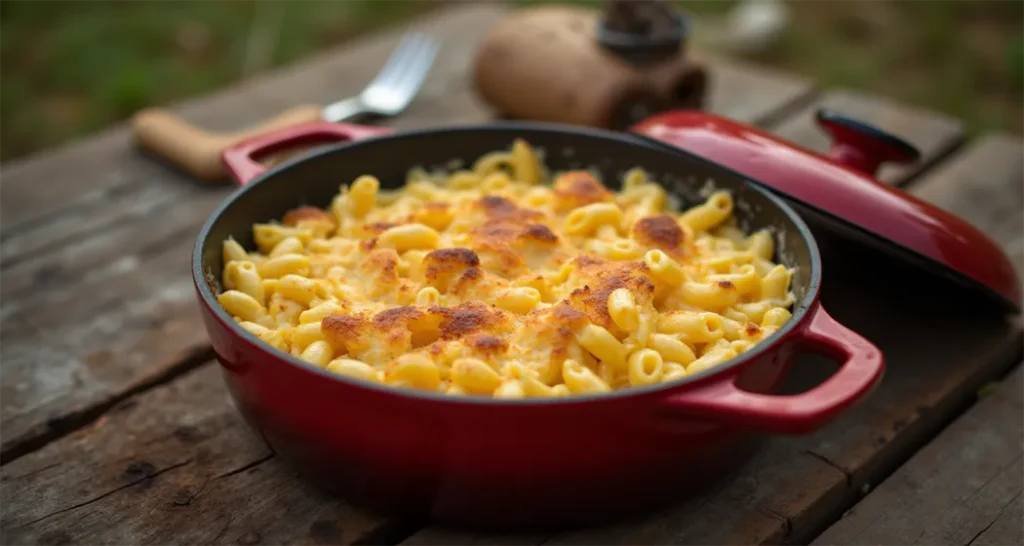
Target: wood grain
[[934, 134], [956, 489], [174, 466], [985, 184], [752, 501], [755, 94], [97, 295]]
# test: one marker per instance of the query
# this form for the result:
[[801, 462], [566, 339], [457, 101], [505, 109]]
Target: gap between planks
[[968, 477], [67, 424], [936, 428], [175, 464]]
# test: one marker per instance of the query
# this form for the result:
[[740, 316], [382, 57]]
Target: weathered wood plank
[[934, 134], [956, 488], [173, 466], [754, 94], [97, 296], [751, 501], [987, 177], [939, 351], [82, 321]]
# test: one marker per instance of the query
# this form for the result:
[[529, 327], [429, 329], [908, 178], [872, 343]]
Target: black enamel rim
[[642, 48], [625, 40], [278, 175]]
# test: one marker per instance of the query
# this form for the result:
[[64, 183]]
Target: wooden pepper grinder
[[607, 69]]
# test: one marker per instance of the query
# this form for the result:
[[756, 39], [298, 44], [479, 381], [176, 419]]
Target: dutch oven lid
[[841, 186]]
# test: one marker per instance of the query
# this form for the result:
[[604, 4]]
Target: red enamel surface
[[515, 464], [862, 365], [842, 187], [863, 147], [241, 158]]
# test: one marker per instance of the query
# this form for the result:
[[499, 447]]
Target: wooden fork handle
[[198, 151]]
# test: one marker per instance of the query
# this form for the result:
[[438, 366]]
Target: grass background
[[71, 67]]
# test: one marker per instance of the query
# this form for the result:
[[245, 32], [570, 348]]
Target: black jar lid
[[643, 40]]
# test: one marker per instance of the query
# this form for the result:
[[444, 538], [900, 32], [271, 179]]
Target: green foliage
[[69, 68], [1015, 62]]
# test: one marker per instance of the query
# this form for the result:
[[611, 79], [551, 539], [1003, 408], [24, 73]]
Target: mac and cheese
[[503, 281]]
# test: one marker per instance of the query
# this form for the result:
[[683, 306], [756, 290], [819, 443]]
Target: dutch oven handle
[[240, 159], [862, 366]]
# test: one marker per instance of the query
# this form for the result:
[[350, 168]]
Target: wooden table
[[117, 429]]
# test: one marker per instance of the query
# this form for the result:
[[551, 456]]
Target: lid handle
[[863, 146]]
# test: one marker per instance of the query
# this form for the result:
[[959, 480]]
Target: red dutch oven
[[566, 461]]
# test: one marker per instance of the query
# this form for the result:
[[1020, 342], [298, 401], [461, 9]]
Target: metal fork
[[395, 85]]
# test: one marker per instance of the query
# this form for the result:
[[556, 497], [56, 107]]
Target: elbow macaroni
[[507, 281]]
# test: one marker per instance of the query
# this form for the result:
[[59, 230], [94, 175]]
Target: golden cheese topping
[[503, 280]]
